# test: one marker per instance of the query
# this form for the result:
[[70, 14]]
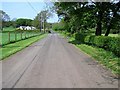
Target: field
[[9, 35], [9, 29], [92, 31], [113, 35]]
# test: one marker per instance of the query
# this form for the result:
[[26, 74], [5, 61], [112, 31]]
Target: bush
[[106, 42], [114, 45], [102, 41], [80, 37], [87, 39], [91, 39]]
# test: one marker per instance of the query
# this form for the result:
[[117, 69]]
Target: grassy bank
[[10, 49], [105, 58]]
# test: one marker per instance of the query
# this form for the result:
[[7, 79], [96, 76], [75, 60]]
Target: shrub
[[80, 37], [87, 39], [98, 41], [106, 42], [114, 45], [91, 39], [102, 41]]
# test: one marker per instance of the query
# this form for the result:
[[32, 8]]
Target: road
[[54, 63]]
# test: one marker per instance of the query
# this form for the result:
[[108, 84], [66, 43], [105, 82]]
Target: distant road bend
[[54, 63]]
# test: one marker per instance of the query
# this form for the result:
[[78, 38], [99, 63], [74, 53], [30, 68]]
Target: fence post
[[15, 36], [25, 34], [21, 35], [8, 37]]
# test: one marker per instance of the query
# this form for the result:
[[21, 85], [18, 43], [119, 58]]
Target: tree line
[[82, 16], [40, 21]]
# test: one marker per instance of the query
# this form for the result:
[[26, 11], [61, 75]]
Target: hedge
[[102, 41], [80, 37], [114, 45], [106, 42]]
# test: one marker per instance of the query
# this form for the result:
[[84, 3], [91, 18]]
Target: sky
[[26, 9]]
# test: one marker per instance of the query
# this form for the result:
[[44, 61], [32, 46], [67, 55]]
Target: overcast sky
[[25, 9]]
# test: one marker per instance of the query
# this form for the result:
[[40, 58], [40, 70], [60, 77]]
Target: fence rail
[[7, 37]]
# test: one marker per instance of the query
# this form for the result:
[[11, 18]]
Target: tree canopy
[[23, 22], [40, 20], [4, 16], [81, 16]]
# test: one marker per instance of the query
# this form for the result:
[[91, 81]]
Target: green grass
[[10, 49], [4, 37], [92, 31], [9, 29], [112, 35], [106, 58]]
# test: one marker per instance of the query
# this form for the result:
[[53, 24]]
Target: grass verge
[[106, 58], [10, 49]]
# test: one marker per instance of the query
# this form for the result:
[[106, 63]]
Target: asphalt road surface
[[54, 63]]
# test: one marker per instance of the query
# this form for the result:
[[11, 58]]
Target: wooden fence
[[14, 36]]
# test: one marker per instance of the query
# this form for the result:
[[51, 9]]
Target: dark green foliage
[[91, 39], [106, 42], [114, 45], [82, 16], [102, 41], [23, 22], [80, 37], [58, 26]]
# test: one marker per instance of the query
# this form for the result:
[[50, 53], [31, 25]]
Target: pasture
[[10, 35]]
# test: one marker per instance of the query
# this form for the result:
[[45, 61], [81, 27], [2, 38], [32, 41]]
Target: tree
[[113, 17], [13, 21], [4, 17], [59, 26], [80, 16], [42, 18], [73, 14], [37, 23], [23, 22]]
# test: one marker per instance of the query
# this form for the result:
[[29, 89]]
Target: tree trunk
[[108, 30], [40, 26], [44, 26], [99, 24], [98, 29], [114, 15]]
